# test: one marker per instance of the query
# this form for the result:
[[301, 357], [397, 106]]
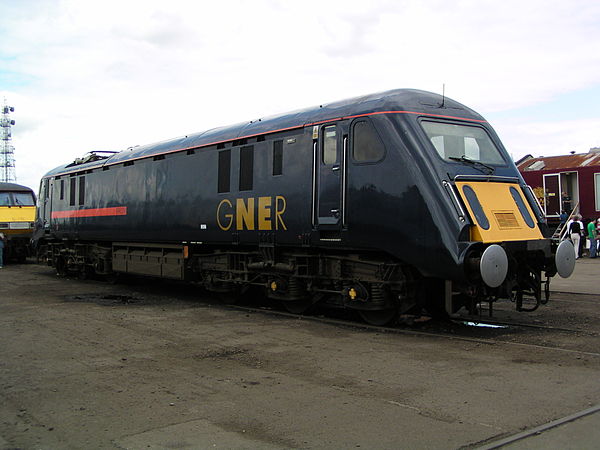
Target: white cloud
[[111, 74], [549, 138]]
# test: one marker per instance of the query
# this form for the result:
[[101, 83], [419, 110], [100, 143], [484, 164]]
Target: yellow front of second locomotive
[[16, 220]]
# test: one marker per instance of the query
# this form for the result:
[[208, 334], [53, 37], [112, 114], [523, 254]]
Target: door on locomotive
[[330, 176], [44, 206]]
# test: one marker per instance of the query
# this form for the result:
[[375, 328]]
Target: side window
[[4, 199], [246, 167], [62, 189], [224, 171], [366, 144], [597, 190], [81, 190], [277, 158], [72, 192], [329, 145]]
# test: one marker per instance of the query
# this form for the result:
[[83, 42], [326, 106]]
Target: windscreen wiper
[[476, 164]]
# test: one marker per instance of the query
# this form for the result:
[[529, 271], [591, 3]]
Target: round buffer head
[[565, 259], [493, 265]]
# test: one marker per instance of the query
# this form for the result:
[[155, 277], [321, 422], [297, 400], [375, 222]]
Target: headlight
[[20, 225]]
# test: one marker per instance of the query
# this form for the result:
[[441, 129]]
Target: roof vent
[[538, 165], [589, 160]]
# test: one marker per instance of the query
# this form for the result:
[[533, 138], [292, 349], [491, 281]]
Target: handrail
[[564, 230]]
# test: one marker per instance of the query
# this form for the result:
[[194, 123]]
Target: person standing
[[592, 237], [566, 202], [598, 236], [1, 250], [575, 229]]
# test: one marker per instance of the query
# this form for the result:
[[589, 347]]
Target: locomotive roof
[[410, 101], [13, 187]]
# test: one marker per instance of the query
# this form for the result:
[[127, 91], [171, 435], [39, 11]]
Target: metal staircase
[[561, 230]]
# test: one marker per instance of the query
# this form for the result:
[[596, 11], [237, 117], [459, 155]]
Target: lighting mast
[[7, 151]]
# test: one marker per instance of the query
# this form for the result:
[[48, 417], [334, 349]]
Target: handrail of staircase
[[564, 229]]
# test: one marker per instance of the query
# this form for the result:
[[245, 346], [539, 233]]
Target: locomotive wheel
[[378, 317]]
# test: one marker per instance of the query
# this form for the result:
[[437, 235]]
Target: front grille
[[506, 220]]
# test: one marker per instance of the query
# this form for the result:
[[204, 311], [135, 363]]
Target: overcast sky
[[106, 75]]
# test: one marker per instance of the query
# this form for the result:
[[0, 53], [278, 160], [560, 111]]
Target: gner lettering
[[262, 213]]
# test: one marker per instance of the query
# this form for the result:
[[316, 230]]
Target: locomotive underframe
[[300, 277], [17, 248]]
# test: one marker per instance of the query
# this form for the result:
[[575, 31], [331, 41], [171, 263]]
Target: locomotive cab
[[17, 213], [504, 225]]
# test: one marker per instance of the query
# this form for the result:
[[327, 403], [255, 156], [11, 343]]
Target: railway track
[[458, 329]]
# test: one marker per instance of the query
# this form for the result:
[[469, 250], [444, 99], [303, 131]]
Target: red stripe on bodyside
[[96, 212]]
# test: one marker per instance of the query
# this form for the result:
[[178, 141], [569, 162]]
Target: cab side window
[[366, 143]]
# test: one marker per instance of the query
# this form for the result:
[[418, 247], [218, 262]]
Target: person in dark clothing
[[575, 230], [566, 202], [563, 218]]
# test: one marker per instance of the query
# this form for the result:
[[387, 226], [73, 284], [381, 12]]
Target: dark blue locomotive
[[383, 203]]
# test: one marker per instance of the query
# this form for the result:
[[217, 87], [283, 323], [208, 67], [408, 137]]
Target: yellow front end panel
[[16, 220], [17, 214], [506, 222]]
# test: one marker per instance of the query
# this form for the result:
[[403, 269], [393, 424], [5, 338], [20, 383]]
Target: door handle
[[335, 213], [335, 168]]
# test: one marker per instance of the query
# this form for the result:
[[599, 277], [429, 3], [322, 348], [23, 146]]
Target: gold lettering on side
[[279, 210], [264, 213], [244, 215], [229, 216]]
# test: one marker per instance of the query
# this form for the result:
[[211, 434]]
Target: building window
[[366, 145], [277, 158], [597, 190], [224, 171], [246, 167]]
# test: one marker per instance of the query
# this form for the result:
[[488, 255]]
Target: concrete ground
[[143, 364], [585, 278]]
